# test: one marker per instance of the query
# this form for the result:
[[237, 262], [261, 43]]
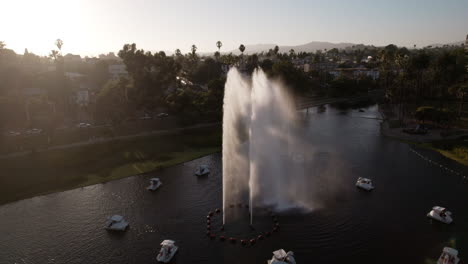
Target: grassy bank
[[58, 170], [456, 149]]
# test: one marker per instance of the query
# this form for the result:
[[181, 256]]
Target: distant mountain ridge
[[314, 46], [308, 47]]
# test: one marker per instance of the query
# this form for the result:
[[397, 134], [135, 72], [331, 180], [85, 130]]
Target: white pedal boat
[[281, 257], [154, 184], [440, 214], [168, 250], [116, 223], [365, 184], [449, 256], [202, 170]]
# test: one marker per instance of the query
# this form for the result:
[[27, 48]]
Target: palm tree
[[194, 50], [217, 55], [219, 44], [59, 44], [242, 48], [178, 52]]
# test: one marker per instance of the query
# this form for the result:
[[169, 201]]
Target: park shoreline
[[58, 170], [432, 140]]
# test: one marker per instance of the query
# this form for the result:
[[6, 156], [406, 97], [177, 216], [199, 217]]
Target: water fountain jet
[[260, 138]]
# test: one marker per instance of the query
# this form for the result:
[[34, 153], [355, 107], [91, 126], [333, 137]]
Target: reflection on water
[[388, 225]]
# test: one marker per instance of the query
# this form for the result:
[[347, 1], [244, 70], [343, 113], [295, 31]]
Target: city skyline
[[90, 28]]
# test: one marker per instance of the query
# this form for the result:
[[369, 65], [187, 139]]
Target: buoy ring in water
[[260, 236]]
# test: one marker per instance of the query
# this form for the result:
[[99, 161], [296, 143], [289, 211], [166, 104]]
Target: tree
[[242, 48], [59, 44], [206, 71], [276, 50], [194, 50], [460, 90], [217, 55], [152, 75], [54, 54], [2, 45], [219, 44], [424, 113], [111, 103], [291, 53], [178, 53]]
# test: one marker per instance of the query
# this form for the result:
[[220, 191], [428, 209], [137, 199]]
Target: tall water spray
[[260, 145]]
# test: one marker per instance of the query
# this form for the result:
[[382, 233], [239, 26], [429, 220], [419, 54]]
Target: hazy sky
[[90, 27]]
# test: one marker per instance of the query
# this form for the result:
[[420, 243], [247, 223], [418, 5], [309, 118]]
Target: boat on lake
[[167, 252], [116, 223]]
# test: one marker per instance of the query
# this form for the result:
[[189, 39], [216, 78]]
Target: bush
[[439, 116]]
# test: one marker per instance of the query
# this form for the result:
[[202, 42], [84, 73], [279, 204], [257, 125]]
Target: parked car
[[145, 117], [162, 115], [418, 130], [34, 131], [12, 133], [83, 125]]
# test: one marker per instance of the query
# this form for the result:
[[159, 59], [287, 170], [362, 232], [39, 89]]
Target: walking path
[[109, 139]]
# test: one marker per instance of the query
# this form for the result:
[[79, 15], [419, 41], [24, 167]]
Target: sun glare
[[35, 25]]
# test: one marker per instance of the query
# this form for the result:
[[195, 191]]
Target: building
[[355, 73], [33, 92], [82, 97], [69, 58], [117, 70], [74, 76]]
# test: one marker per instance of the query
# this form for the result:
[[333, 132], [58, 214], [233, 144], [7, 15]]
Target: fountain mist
[[261, 145]]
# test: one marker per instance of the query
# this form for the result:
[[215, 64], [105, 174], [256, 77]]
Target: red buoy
[[208, 221], [218, 210], [233, 240], [210, 213], [260, 237], [243, 242], [252, 241], [208, 217], [208, 227]]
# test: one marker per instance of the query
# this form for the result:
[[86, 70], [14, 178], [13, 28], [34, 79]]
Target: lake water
[[388, 225]]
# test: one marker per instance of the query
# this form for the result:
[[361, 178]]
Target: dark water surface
[[388, 225]]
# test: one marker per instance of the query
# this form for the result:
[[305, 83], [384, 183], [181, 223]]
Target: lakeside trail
[[101, 140], [451, 146]]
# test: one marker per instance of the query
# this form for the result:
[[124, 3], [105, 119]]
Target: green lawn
[[58, 170], [456, 149]]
